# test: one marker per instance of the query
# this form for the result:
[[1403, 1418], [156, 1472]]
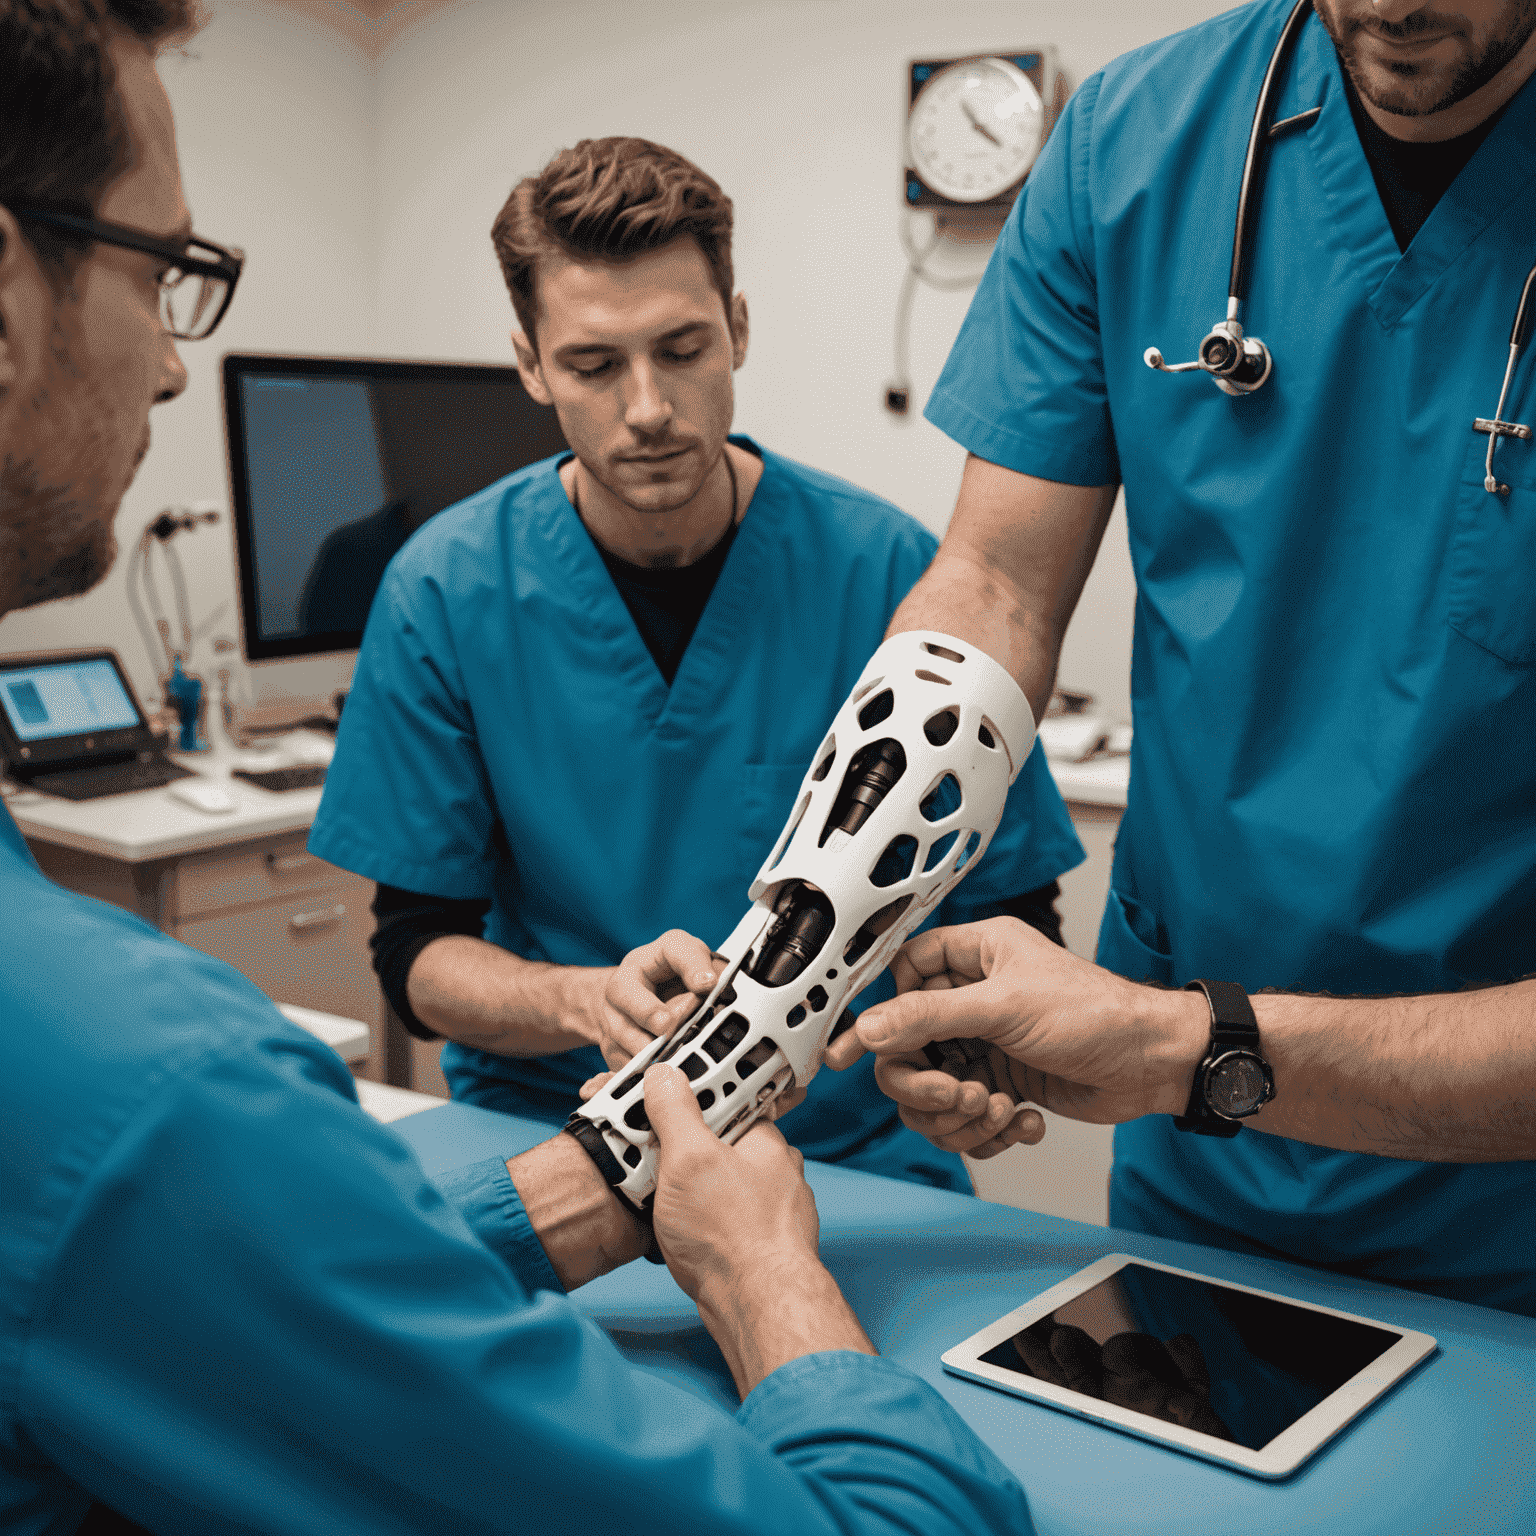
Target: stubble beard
[[675, 496], [57, 503], [1419, 95]]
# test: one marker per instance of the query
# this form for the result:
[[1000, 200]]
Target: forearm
[[585, 1228], [777, 1315], [486, 997], [1011, 569], [961, 596], [1443, 1077], [1448, 1077]]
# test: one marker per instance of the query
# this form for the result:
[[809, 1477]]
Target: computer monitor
[[335, 462]]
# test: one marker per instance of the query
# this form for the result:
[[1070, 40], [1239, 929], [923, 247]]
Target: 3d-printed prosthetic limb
[[900, 802]]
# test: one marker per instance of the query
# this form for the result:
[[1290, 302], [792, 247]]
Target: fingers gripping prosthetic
[[900, 803]]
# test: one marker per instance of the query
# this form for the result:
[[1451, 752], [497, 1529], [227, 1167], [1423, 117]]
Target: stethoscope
[[1241, 364]]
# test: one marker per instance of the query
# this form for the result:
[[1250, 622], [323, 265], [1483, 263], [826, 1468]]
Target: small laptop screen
[[66, 698]]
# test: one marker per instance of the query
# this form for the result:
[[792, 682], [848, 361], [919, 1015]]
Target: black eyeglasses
[[194, 292]]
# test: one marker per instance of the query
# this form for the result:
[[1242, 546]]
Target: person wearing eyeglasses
[[1332, 516], [230, 1301]]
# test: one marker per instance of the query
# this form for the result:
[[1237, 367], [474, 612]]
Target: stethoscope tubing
[[1254, 162]]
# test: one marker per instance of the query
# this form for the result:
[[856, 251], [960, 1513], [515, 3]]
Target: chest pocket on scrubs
[[1491, 568], [1129, 943], [767, 798]]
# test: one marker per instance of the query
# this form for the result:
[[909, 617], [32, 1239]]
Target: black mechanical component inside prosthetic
[[803, 918], [872, 928], [691, 1031], [870, 777]]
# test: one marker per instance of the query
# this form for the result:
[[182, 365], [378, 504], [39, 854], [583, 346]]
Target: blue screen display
[[66, 698]]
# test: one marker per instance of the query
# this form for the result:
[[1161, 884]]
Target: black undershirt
[[1411, 178], [667, 602]]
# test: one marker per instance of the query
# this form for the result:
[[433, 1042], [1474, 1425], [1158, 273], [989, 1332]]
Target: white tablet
[[1244, 1377]]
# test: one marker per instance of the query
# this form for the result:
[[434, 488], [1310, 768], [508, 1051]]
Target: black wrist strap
[[1233, 1028], [592, 1142]]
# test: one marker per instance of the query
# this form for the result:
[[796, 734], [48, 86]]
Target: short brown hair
[[612, 199], [63, 140]]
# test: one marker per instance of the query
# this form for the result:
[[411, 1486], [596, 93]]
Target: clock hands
[[978, 125]]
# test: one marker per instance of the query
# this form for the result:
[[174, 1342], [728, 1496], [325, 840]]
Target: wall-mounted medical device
[[974, 127]]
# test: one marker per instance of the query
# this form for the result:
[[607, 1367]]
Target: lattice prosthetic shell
[[900, 802]]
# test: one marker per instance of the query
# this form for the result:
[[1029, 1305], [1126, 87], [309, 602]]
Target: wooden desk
[[240, 885]]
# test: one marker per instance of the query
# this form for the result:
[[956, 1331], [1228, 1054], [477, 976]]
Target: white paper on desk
[[1071, 738]]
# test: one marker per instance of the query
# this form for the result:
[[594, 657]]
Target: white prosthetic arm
[[900, 802]]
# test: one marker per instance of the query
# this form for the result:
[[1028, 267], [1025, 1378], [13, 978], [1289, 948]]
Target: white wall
[[274, 116], [797, 108], [363, 189]]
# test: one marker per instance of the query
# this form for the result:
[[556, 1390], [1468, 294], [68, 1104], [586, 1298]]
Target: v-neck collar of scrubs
[[670, 712], [1497, 175]]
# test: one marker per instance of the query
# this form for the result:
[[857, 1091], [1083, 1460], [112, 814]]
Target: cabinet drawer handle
[[286, 863], [302, 922]]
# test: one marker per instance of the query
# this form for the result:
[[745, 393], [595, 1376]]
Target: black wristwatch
[[590, 1140], [1234, 1081]]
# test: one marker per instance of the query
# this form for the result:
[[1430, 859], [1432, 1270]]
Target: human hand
[[738, 1228], [1069, 1036], [1169, 1380], [721, 1211], [649, 993]]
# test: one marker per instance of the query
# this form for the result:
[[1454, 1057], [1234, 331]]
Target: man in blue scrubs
[[230, 1301], [587, 696], [1334, 669]]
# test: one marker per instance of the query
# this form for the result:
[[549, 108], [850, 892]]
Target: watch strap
[[595, 1145], [1233, 1028]]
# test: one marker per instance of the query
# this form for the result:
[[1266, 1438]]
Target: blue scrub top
[[509, 736], [231, 1302], [1334, 666]]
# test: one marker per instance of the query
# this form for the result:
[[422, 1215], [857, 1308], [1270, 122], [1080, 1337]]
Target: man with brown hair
[[229, 1301], [587, 696]]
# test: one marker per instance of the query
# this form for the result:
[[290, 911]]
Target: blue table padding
[[1451, 1449]]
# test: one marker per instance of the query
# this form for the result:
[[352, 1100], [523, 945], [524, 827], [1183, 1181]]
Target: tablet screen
[[1240, 1367]]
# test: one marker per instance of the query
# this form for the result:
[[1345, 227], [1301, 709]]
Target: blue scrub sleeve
[[260, 1315], [1024, 384], [1034, 844], [485, 1196], [414, 808], [776, 1411]]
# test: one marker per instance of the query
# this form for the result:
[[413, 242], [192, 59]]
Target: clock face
[[975, 129], [1236, 1084]]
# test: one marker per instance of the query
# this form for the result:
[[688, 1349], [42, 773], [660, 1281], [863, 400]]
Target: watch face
[[1236, 1084], [975, 129]]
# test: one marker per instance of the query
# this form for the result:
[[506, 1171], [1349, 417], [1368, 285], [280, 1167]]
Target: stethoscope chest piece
[[1239, 364]]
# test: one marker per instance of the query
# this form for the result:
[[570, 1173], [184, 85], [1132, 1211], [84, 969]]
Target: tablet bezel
[[1279, 1458]]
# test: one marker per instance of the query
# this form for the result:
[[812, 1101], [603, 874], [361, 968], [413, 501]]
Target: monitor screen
[[335, 462], [69, 697]]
